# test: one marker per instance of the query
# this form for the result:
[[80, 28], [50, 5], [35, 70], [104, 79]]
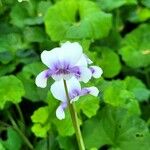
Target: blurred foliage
[[115, 34]]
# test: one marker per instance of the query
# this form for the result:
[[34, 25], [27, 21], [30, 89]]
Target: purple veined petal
[[96, 71], [84, 74], [60, 114], [41, 79], [90, 90], [50, 58], [58, 90], [89, 61], [70, 53]]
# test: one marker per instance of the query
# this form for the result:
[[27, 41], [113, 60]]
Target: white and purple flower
[[69, 63], [74, 92]]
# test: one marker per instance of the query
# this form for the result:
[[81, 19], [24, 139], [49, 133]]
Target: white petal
[[70, 52], [82, 61], [49, 58], [58, 91], [93, 90], [85, 74], [89, 61], [41, 79], [72, 84], [97, 71], [57, 77], [60, 114]]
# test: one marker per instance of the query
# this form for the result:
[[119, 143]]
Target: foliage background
[[114, 34]]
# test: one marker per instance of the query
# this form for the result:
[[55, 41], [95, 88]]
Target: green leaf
[[65, 126], [136, 46], [34, 34], [116, 128], [41, 125], [107, 59], [71, 19], [11, 42], [88, 104], [42, 113], [138, 88], [67, 143], [116, 94], [139, 15], [13, 141], [2, 147], [15, 92], [146, 3], [111, 4]]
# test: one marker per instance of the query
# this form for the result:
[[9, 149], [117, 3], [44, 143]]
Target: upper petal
[[70, 52], [50, 58], [41, 79], [96, 71]]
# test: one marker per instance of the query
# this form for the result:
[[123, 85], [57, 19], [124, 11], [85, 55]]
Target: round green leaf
[[11, 90], [135, 50], [71, 19]]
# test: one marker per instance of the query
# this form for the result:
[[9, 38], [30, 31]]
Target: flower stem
[[15, 126], [74, 118]]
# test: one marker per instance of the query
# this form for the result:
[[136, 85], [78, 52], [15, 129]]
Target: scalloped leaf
[[116, 128], [135, 50], [71, 19], [11, 90], [111, 4], [138, 88]]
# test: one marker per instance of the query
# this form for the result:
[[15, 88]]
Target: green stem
[[21, 116], [74, 118], [15, 126]]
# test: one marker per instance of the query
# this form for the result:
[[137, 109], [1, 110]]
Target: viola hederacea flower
[[67, 61], [74, 92], [63, 63]]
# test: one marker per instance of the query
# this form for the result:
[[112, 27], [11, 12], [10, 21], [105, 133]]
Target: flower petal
[[85, 74], [58, 91], [60, 114], [50, 58], [82, 61], [41, 79], [93, 91], [89, 61], [96, 71], [90, 90], [70, 52]]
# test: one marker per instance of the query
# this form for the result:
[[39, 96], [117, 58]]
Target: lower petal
[[60, 114], [96, 71], [90, 90], [41, 79]]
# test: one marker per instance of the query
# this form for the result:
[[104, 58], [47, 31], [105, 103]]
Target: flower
[[63, 63], [67, 61], [74, 92]]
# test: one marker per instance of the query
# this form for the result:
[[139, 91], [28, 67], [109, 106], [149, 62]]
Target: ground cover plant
[[115, 35]]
